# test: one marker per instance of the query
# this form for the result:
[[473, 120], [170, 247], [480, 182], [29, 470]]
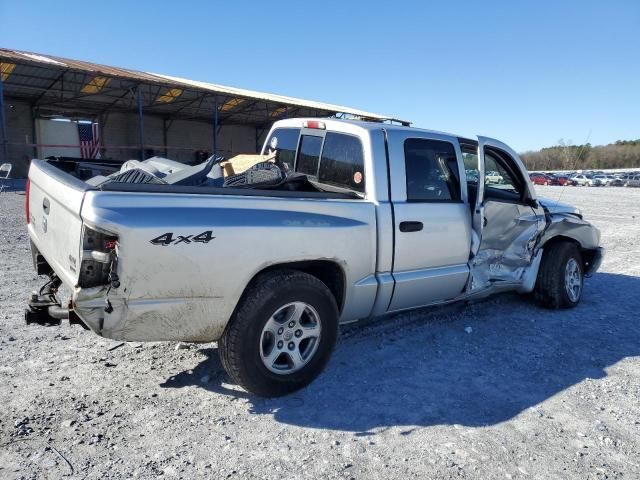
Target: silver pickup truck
[[388, 218]]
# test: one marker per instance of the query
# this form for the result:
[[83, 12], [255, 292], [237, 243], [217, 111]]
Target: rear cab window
[[309, 155], [333, 160], [342, 162], [286, 141]]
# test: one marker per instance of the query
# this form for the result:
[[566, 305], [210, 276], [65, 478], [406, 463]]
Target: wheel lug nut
[[298, 333], [291, 346], [280, 344], [280, 330], [292, 324]]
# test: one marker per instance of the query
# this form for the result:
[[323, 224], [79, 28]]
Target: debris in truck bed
[[242, 163]]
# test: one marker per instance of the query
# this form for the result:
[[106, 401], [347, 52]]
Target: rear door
[[432, 219], [55, 226]]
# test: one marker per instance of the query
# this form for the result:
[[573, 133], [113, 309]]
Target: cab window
[[431, 171], [286, 142], [309, 155], [342, 162], [500, 176]]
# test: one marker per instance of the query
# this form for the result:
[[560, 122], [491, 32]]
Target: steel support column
[[215, 124], [3, 126], [140, 121], [165, 127]]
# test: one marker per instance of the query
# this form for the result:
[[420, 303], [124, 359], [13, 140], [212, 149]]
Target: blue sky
[[527, 73]]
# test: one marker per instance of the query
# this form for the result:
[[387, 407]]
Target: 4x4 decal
[[169, 239]]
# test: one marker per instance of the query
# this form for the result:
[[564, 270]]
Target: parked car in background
[[582, 180], [604, 179], [542, 179], [633, 181], [564, 180], [493, 177], [618, 181]]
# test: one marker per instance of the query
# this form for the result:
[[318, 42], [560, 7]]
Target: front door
[[506, 217], [432, 219]]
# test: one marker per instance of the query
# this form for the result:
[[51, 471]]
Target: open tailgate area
[[55, 226]]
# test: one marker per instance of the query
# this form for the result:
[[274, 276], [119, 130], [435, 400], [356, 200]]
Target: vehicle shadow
[[428, 368]]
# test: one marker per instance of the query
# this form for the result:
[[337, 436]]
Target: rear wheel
[[561, 276], [282, 334]]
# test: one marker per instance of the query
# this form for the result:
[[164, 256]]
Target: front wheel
[[281, 335], [561, 276]]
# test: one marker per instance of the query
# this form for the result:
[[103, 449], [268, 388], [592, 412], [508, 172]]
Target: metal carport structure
[[55, 86]]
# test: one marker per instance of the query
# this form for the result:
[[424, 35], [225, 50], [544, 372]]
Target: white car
[[582, 180], [589, 181], [604, 179], [493, 177]]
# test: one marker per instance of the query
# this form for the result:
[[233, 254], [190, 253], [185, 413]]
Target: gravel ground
[[496, 389]]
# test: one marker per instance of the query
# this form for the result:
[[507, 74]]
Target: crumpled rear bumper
[[195, 319]]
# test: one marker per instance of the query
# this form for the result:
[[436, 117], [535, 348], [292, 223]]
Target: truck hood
[[556, 207]]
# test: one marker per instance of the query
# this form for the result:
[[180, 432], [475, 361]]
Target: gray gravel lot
[[528, 393]]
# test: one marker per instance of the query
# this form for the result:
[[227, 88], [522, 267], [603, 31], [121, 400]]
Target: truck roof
[[297, 122]]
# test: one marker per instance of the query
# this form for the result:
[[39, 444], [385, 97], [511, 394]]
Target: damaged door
[[507, 219]]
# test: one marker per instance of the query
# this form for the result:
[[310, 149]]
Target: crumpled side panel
[[571, 226], [508, 244]]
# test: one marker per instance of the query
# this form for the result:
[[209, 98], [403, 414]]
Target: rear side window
[[287, 142], [432, 171], [309, 155], [342, 162]]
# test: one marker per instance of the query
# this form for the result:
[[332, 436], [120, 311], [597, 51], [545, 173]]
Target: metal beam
[[215, 124], [3, 126], [140, 121]]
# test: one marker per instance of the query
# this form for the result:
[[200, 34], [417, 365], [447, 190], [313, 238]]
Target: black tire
[[239, 347], [551, 290]]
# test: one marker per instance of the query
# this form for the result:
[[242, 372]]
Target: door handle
[[410, 226], [45, 206]]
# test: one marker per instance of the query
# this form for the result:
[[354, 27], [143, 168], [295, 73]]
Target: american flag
[[89, 139]]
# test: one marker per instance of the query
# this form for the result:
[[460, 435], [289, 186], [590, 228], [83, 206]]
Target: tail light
[[99, 259], [26, 201]]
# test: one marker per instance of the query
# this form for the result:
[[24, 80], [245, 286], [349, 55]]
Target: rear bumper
[[110, 313], [191, 319]]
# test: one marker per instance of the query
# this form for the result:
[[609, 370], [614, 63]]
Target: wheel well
[[327, 271], [587, 254]]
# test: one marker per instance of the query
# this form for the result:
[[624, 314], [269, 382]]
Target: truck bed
[[189, 252]]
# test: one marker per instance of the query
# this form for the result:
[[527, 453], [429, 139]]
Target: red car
[[542, 179], [564, 180]]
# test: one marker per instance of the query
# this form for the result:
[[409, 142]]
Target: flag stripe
[[89, 135]]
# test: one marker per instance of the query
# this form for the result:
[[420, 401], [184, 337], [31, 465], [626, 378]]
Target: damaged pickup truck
[[344, 220]]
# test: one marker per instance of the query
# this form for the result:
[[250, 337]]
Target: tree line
[[621, 154]]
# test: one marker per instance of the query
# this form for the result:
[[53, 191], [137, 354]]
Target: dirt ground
[[496, 389]]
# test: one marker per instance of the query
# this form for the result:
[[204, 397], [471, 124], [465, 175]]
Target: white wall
[[183, 137], [54, 132], [119, 129]]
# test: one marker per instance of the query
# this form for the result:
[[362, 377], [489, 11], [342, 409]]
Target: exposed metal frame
[[54, 86]]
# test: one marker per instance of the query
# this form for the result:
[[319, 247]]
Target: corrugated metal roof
[[65, 64]]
